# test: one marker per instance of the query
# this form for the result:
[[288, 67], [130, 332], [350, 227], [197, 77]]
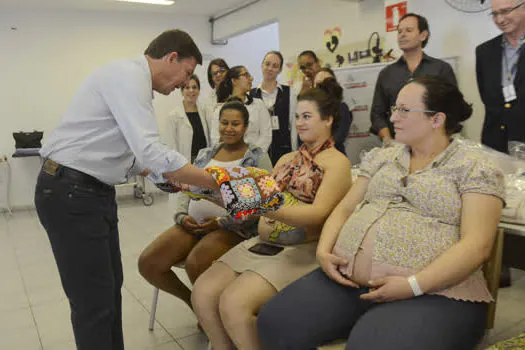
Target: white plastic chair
[[155, 300], [153, 308]]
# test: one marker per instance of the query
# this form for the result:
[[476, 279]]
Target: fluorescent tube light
[[151, 2]]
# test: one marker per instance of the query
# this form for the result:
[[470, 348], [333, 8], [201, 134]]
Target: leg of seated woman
[[205, 299], [208, 249], [310, 312], [239, 305], [155, 262], [429, 322]]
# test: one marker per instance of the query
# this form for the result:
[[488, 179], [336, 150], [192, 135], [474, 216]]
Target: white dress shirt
[[259, 131], [109, 130]]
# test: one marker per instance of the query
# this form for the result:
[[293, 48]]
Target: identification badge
[[275, 122], [509, 93]]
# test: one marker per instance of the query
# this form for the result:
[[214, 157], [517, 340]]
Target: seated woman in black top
[[186, 129]]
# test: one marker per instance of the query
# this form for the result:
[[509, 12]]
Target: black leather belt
[[54, 169]]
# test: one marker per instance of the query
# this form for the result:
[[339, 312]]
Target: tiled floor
[[34, 313]]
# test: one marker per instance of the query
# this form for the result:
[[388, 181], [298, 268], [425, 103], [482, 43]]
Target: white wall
[[248, 49], [302, 23], [458, 36], [47, 57], [50, 53]]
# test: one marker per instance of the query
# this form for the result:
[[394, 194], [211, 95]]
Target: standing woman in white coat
[[186, 129], [238, 83]]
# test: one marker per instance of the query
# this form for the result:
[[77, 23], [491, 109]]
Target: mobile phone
[[168, 187], [265, 249]]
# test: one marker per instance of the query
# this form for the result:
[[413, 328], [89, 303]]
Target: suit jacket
[[504, 122]]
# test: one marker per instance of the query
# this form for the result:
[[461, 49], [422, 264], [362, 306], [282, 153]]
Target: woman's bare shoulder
[[332, 159]]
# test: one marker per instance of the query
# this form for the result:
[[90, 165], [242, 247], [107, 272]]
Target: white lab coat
[[178, 133]]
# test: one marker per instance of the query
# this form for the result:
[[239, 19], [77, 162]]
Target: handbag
[[28, 139]]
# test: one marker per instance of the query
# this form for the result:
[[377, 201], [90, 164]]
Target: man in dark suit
[[500, 70]]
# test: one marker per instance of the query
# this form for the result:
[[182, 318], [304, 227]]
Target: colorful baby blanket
[[243, 191]]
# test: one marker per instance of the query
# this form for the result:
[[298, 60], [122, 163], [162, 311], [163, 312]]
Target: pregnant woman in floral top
[[401, 255]]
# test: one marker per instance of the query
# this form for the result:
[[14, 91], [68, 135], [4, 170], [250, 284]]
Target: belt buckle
[[50, 167]]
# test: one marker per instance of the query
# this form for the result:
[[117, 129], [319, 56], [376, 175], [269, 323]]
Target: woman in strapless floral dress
[[228, 296]]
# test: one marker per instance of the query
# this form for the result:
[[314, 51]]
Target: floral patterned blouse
[[414, 218]]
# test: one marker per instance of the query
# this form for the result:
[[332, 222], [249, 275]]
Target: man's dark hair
[[422, 25], [174, 40]]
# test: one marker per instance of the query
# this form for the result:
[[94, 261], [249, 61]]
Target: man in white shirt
[[107, 134]]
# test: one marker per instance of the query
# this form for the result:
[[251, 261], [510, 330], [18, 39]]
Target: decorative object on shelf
[[332, 37]]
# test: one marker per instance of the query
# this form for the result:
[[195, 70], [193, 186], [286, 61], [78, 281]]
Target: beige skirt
[[292, 263]]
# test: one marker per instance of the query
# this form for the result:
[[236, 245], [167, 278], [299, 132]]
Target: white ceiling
[[190, 7]]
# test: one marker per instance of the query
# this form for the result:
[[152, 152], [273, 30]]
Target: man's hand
[[190, 174]]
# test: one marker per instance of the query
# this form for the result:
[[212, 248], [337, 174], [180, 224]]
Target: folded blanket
[[247, 191], [243, 191]]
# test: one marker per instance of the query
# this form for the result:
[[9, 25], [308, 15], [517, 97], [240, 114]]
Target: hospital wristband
[[415, 286]]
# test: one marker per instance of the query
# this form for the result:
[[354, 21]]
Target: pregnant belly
[[362, 268], [201, 209]]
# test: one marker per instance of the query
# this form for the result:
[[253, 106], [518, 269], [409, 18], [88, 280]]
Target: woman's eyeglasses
[[217, 72], [403, 112], [245, 74], [306, 66]]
